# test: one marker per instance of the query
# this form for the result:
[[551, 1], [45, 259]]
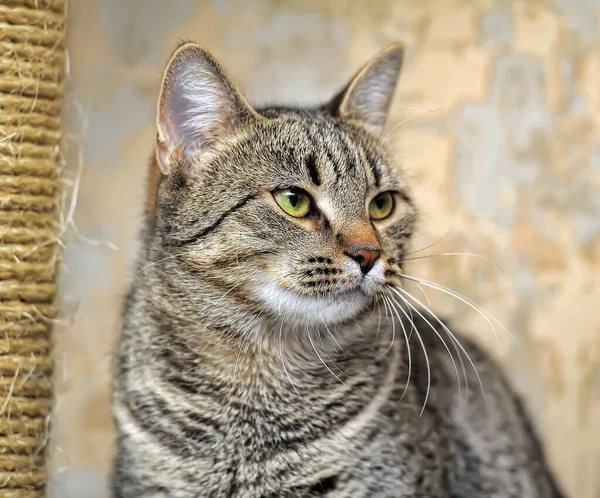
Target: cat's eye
[[381, 206], [293, 201]]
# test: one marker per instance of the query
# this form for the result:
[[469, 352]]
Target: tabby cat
[[268, 347]]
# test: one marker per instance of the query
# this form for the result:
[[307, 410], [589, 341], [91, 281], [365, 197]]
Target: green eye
[[381, 206], [293, 201]]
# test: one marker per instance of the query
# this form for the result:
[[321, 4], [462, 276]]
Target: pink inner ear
[[199, 106], [201, 109]]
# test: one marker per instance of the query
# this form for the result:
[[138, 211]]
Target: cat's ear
[[368, 96], [198, 107]]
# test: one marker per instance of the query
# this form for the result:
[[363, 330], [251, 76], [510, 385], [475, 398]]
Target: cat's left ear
[[198, 107], [368, 96]]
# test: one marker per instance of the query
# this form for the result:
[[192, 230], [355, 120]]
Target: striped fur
[[255, 359]]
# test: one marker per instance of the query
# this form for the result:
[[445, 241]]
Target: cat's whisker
[[407, 348], [373, 302], [449, 332], [450, 254], [409, 315], [386, 313], [436, 333], [456, 345], [428, 370], [254, 320], [378, 317], [329, 356], [218, 301], [320, 358], [244, 339], [456, 350], [281, 356], [407, 120], [185, 253], [334, 339], [424, 293], [435, 243], [393, 333], [487, 316], [447, 254]]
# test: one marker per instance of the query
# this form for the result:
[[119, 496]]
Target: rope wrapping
[[32, 63]]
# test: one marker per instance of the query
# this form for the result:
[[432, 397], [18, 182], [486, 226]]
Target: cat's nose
[[364, 256]]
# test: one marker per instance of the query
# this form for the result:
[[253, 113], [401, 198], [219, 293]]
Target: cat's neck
[[262, 351]]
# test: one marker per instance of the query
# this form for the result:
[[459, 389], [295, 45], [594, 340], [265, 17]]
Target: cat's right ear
[[198, 107]]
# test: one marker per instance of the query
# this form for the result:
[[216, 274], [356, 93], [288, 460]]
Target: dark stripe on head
[[317, 136], [372, 165], [347, 150], [311, 166], [216, 223], [333, 161]]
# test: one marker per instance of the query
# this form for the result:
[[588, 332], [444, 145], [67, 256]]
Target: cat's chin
[[292, 306]]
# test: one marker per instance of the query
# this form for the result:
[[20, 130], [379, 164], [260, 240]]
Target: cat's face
[[297, 213]]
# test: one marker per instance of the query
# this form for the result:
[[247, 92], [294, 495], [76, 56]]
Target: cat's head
[[296, 213]]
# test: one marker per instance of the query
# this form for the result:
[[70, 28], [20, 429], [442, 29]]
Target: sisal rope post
[[32, 63]]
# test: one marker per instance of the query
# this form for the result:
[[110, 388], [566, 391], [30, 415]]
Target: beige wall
[[496, 120]]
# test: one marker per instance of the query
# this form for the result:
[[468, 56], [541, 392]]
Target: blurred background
[[496, 122]]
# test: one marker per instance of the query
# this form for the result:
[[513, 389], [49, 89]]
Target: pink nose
[[364, 256]]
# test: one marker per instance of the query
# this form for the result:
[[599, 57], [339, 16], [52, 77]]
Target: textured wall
[[496, 120]]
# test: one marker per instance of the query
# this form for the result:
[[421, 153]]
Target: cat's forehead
[[329, 153]]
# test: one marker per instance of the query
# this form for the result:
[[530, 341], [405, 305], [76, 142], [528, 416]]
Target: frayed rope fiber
[[32, 69]]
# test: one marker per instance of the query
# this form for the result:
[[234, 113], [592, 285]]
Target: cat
[[268, 348]]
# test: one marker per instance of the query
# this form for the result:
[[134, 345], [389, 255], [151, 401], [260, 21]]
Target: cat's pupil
[[379, 201], [293, 198]]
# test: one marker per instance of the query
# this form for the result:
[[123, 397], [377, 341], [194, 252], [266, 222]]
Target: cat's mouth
[[337, 304], [311, 310]]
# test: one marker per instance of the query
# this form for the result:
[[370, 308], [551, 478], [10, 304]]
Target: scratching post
[[32, 62]]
